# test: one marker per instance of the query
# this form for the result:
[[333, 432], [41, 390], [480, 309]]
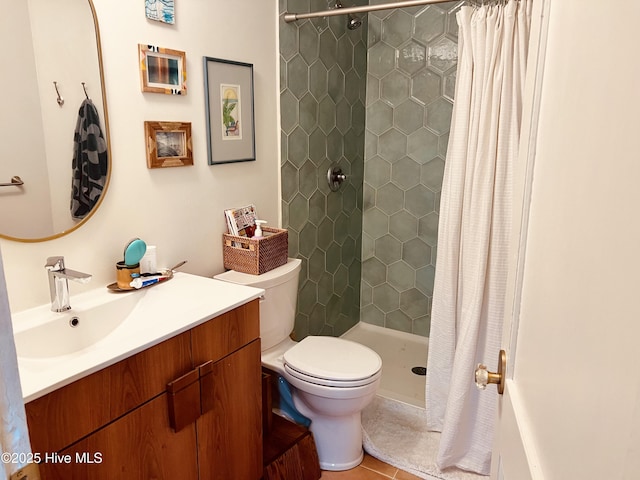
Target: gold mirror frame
[[107, 139]]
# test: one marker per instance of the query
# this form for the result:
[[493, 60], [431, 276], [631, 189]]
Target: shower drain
[[419, 370]]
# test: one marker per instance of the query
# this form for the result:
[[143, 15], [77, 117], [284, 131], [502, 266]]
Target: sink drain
[[419, 370]]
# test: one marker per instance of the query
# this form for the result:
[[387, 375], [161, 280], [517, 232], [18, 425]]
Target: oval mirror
[[54, 168]]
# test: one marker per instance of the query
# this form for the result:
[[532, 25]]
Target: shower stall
[[375, 101]]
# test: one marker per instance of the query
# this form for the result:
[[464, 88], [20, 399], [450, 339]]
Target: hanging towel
[[89, 161]]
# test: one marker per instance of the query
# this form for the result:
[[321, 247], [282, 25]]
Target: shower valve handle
[[335, 177], [485, 377]]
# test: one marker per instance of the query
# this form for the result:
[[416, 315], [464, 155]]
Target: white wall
[[177, 209], [23, 147]]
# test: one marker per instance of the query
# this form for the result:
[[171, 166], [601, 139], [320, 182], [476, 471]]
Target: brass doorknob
[[485, 377]]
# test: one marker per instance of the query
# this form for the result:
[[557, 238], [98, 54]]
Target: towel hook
[[84, 87], [60, 100]]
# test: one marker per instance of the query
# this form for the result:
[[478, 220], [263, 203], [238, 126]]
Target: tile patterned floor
[[370, 469]]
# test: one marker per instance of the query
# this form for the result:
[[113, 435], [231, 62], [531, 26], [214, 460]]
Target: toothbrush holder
[[125, 274]]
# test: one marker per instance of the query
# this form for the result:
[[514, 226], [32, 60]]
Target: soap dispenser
[[258, 232]]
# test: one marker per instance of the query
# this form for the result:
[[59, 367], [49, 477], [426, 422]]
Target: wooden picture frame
[[162, 70], [228, 89], [168, 144]]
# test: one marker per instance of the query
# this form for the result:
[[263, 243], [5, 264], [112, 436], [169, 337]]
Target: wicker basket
[[248, 255]]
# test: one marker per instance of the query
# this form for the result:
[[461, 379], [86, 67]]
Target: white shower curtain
[[14, 437], [475, 221]]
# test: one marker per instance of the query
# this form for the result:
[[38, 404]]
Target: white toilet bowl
[[332, 392], [333, 379]]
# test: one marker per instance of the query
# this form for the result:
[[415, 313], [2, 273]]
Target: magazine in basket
[[241, 222]]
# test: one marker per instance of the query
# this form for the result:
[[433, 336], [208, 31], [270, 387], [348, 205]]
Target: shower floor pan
[[400, 352]]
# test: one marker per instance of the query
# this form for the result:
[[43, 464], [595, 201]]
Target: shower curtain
[[473, 234], [14, 437]]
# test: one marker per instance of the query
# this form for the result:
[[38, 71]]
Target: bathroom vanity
[[188, 406]]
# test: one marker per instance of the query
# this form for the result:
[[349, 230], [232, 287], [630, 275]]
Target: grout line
[[380, 473]]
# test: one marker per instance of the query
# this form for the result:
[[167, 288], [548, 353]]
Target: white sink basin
[[52, 334], [113, 326]]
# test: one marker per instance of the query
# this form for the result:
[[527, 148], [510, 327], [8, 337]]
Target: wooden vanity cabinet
[[115, 423]]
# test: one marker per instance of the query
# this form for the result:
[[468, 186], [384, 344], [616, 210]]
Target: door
[[230, 433], [571, 408]]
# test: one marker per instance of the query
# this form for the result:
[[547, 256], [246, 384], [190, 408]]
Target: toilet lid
[[333, 359]]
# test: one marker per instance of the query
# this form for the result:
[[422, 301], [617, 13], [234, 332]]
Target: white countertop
[[160, 312]]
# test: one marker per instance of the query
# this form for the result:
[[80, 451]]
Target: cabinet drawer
[[225, 334], [140, 445], [69, 413]]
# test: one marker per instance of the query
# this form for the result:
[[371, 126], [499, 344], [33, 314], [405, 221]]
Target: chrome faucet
[[58, 284]]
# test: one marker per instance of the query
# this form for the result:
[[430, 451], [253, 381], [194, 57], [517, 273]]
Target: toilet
[[332, 379]]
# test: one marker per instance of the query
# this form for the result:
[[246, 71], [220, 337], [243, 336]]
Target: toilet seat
[[325, 382], [332, 361]]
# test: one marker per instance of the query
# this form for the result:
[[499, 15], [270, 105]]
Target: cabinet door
[[140, 445], [230, 434]]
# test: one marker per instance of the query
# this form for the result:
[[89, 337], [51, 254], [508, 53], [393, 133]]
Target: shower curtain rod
[[292, 17]]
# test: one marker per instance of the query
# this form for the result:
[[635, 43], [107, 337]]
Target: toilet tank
[[278, 307]]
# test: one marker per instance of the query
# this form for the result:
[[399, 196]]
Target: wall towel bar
[[16, 181]]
